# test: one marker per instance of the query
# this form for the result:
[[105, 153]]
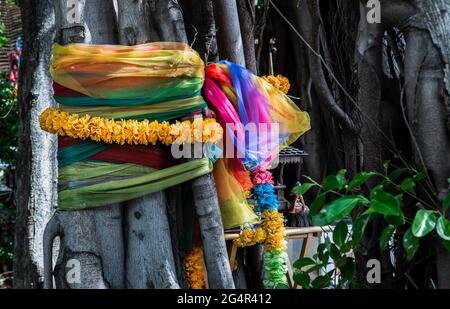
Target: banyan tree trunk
[[150, 258], [36, 156], [93, 238], [229, 37], [150, 255]]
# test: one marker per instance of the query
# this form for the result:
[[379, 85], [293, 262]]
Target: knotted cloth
[[100, 88], [154, 82]]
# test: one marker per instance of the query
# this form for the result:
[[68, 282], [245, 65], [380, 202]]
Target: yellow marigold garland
[[132, 132], [195, 268], [273, 224], [280, 82], [250, 237]]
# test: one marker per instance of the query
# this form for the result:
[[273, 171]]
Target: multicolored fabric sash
[[161, 82], [156, 81]]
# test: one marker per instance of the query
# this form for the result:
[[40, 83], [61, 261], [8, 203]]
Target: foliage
[[3, 39], [9, 122], [7, 215], [8, 142], [6, 236], [338, 201]]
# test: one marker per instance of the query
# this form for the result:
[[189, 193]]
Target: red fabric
[[62, 91], [150, 156], [214, 72]]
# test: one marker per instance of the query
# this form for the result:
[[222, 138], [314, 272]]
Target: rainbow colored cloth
[[158, 82]]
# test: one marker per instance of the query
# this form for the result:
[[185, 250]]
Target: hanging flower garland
[[250, 237], [195, 268], [130, 132], [280, 82], [272, 232], [272, 222]]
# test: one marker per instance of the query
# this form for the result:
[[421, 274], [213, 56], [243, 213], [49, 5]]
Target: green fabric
[[161, 89], [117, 191], [92, 169], [145, 112], [79, 152], [168, 115], [90, 101]]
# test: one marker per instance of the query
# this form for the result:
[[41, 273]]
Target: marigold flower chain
[[132, 132], [280, 82], [250, 237], [273, 224], [194, 268]]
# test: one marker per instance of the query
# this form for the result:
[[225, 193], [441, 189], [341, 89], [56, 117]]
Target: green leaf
[[282, 286], [446, 204], [331, 183], [421, 176], [386, 165], [397, 173], [322, 253], [324, 257], [348, 270], [443, 228], [410, 244], [318, 203], [340, 233], [347, 247], [386, 236], [335, 253], [446, 244], [300, 190], [321, 282], [408, 185], [395, 220], [300, 263], [342, 207], [358, 228], [302, 279], [320, 219], [360, 179], [424, 223], [342, 181], [384, 203], [314, 268]]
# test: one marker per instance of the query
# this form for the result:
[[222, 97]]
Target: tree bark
[[246, 11], [36, 156], [211, 229], [150, 259], [427, 116], [228, 33], [94, 238], [201, 28], [427, 90], [368, 58]]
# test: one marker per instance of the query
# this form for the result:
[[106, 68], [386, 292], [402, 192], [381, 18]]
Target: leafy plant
[[336, 201], [9, 121], [3, 39]]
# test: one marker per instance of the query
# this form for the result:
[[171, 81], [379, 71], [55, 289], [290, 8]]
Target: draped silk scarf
[[163, 81]]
